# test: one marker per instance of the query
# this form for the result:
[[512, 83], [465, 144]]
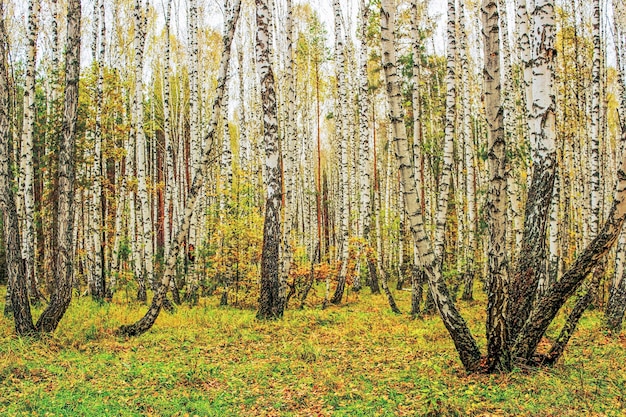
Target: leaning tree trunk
[[464, 341], [559, 292], [498, 357], [617, 294], [64, 210], [544, 311], [146, 322], [271, 305], [15, 266]]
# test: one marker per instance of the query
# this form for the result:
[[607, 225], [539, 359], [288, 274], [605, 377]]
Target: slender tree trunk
[[271, 305], [594, 162], [364, 220], [15, 266], [98, 287], [64, 228], [144, 212], [448, 147], [617, 294], [26, 201], [167, 132], [498, 357], [342, 145], [289, 152], [466, 345], [146, 322], [468, 155]]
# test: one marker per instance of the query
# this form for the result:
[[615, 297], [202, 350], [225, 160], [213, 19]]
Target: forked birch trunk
[[531, 267]]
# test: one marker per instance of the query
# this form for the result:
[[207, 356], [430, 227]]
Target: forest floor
[[358, 359]]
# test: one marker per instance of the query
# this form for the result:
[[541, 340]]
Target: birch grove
[[279, 154]]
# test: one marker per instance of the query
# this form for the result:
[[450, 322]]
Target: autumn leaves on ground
[[357, 359]]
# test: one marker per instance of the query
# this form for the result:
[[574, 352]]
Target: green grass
[[358, 359]]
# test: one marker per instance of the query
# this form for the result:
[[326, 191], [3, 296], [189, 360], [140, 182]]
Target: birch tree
[[466, 345], [146, 322], [364, 140], [530, 267], [498, 356], [64, 210], [342, 144], [450, 120], [144, 213], [26, 198], [10, 222], [594, 162], [271, 304], [97, 287]]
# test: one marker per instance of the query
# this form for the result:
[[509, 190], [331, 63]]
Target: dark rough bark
[[392, 302], [339, 290], [468, 284], [557, 349], [373, 276], [64, 224], [530, 266], [417, 289], [316, 259], [616, 306], [15, 266], [498, 356], [271, 304], [557, 294], [145, 323]]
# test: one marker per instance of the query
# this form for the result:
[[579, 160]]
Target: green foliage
[[357, 360]]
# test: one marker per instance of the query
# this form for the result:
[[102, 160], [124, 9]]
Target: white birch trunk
[[463, 340], [364, 136], [167, 132], [289, 150], [594, 162], [26, 197], [145, 228], [98, 288], [448, 147], [342, 145]]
